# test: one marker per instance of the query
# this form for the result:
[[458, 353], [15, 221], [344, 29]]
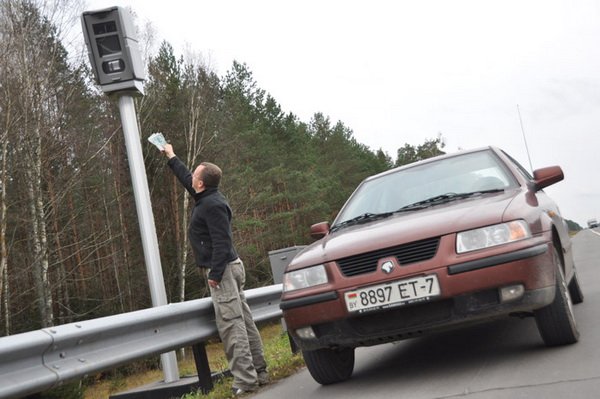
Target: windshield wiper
[[365, 217], [444, 198], [479, 192], [426, 203]]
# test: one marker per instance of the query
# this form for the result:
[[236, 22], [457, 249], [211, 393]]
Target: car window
[[472, 172]]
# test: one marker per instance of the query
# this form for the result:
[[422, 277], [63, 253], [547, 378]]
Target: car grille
[[405, 254]]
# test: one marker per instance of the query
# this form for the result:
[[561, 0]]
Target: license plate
[[396, 293]]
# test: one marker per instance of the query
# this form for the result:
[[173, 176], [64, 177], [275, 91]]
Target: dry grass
[[281, 361]]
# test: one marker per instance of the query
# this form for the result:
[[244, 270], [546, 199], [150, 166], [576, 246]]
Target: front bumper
[[470, 294], [413, 321]]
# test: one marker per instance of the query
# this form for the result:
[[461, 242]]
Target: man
[[212, 244]]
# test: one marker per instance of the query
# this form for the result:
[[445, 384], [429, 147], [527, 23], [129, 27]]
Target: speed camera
[[113, 49]]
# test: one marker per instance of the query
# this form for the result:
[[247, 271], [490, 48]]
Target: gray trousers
[[240, 337]]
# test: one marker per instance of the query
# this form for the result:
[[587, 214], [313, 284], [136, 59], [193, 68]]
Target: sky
[[520, 75]]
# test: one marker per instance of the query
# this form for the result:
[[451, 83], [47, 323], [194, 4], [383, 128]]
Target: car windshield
[[425, 185]]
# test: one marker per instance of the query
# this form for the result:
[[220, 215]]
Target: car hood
[[435, 221]]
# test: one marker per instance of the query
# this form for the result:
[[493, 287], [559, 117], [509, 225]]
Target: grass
[[280, 359]]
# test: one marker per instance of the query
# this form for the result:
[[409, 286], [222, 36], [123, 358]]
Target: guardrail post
[[205, 381]]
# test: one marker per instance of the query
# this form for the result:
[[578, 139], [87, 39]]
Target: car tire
[[556, 322], [328, 366], [575, 289]]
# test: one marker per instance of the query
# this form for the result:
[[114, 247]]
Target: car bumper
[[470, 294]]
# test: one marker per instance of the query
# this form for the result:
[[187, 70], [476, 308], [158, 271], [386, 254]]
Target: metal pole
[[146, 220]]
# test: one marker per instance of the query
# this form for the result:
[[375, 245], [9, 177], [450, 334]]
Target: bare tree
[[38, 68], [5, 112]]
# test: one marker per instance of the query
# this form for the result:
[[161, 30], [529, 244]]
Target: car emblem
[[387, 267]]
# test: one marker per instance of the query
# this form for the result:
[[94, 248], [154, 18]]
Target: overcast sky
[[399, 72]]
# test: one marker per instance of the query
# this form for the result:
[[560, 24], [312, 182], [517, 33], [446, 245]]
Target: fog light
[[306, 333], [511, 292]]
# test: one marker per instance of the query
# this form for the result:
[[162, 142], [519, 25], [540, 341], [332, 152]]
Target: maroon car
[[438, 244]]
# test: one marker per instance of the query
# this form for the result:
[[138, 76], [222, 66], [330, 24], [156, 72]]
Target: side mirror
[[319, 230], [545, 177]]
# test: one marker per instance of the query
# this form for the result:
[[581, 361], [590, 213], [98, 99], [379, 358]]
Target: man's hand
[[169, 151], [213, 283]]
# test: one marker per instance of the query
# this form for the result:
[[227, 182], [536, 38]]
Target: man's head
[[206, 175]]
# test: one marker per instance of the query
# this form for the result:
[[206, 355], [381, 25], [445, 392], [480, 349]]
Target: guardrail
[[39, 360]]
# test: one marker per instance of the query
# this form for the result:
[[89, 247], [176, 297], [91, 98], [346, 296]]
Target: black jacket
[[209, 231]]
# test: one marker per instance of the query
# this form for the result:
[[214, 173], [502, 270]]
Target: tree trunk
[[113, 251], [123, 226], [39, 243], [62, 287], [78, 268], [4, 288]]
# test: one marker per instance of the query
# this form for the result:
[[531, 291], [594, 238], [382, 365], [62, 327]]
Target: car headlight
[[304, 278], [491, 236]]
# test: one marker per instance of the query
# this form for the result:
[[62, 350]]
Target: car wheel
[[328, 366], [575, 290], [556, 322]]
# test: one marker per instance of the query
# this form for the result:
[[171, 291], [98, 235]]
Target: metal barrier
[[39, 360]]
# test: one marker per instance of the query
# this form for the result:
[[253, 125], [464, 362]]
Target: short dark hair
[[211, 174]]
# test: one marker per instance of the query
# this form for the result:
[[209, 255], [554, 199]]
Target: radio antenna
[[524, 139]]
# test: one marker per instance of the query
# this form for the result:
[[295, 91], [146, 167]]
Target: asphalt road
[[505, 359]]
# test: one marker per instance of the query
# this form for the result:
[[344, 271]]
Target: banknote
[[158, 140]]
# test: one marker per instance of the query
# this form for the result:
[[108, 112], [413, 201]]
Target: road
[[505, 359]]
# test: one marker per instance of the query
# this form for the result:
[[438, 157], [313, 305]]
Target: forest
[[70, 245]]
